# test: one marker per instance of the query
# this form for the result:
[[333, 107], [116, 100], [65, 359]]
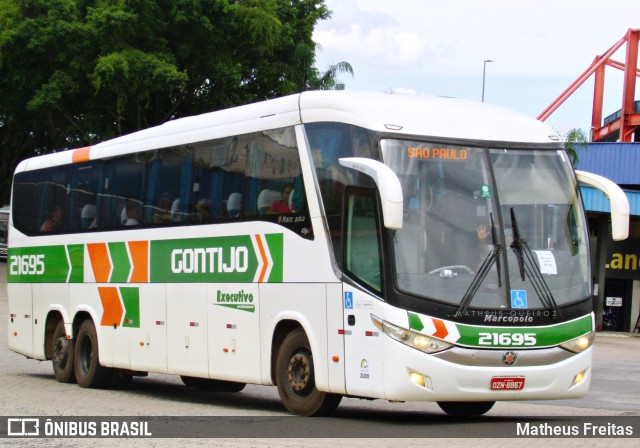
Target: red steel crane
[[629, 120]]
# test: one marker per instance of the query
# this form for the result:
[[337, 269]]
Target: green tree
[[301, 74], [575, 139], [75, 72]]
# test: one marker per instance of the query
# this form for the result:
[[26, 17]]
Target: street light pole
[[484, 70]]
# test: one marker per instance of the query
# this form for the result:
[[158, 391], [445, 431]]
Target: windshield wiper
[[485, 267], [527, 265]]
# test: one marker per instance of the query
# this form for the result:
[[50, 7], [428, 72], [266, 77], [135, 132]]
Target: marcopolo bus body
[[333, 244]]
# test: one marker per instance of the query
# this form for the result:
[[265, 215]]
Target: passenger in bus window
[[203, 210], [53, 223], [88, 215], [282, 206], [133, 214], [162, 213]]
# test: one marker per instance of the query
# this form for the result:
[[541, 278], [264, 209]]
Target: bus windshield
[[488, 228]]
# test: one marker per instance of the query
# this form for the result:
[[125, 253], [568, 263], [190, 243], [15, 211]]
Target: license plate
[[507, 383]]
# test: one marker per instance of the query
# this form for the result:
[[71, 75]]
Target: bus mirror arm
[[617, 198], [388, 185]]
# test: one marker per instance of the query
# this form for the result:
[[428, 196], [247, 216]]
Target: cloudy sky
[[438, 47]]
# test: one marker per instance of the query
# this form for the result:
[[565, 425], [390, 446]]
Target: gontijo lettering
[[209, 260], [438, 153]]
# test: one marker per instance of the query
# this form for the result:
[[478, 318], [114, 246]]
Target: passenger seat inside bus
[[265, 199], [234, 204]]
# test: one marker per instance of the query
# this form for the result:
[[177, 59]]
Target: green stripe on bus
[[120, 262], [276, 243], [76, 255], [506, 337], [415, 323], [131, 301], [46, 264], [228, 259], [547, 336]]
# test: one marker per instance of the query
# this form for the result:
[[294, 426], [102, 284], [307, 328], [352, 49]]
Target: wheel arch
[[281, 330], [51, 322]]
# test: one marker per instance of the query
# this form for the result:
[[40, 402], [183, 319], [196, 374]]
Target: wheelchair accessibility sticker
[[519, 299], [348, 300]]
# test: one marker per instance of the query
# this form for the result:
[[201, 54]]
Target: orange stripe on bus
[[100, 261], [263, 255], [140, 257], [111, 306], [81, 154]]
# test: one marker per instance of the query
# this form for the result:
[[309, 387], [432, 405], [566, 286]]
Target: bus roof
[[407, 114]]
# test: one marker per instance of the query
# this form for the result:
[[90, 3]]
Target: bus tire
[[466, 408], [296, 379], [89, 372], [208, 385], [62, 355]]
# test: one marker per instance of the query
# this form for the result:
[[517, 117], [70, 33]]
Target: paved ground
[[29, 389]]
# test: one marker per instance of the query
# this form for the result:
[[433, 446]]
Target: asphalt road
[[28, 388]]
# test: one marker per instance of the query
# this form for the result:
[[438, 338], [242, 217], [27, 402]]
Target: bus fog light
[[417, 378], [579, 377], [420, 380]]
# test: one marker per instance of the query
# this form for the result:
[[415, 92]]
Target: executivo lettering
[[239, 300]]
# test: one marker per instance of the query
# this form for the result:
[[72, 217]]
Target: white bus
[[387, 246]]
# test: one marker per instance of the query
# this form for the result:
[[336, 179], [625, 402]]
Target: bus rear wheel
[[466, 408], [296, 379], [88, 370], [206, 384], [62, 355]]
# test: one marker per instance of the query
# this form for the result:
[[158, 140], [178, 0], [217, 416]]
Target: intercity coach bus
[[372, 245]]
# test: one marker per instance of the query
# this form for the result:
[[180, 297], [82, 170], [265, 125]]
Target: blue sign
[[348, 300], [519, 299]]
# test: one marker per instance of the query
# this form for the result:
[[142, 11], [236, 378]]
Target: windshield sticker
[[485, 191], [519, 299], [547, 262], [438, 153]]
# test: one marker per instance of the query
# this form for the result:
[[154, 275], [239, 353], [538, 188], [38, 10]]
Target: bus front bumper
[[483, 375]]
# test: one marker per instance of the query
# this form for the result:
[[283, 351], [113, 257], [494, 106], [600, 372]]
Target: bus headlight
[[411, 338], [580, 344]]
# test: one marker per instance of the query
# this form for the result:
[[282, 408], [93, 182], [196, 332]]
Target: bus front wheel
[[88, 370], [296, 379], [62, 355], [466, 408]]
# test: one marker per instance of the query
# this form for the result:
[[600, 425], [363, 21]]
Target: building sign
[[613, 301], [623, 259]]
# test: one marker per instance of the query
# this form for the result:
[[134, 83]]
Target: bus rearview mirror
[[617, 198], [388, 185]]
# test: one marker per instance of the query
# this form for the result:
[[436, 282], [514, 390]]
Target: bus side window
[[52, 208], [24, 202]]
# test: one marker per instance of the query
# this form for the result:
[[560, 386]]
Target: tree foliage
[[75, 72], [575, 139]]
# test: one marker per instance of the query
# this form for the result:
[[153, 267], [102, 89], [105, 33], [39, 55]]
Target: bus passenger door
[[364, 367], [362, 262]]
